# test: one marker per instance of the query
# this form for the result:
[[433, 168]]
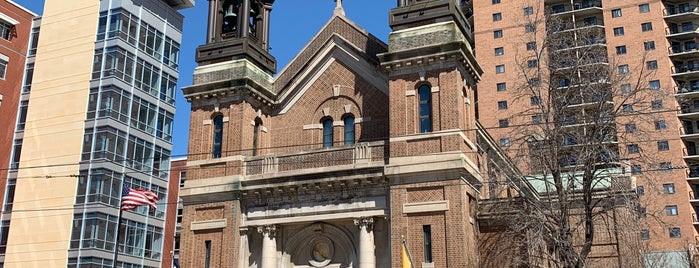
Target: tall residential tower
[[99, 115]]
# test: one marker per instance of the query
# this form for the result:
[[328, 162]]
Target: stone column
[[269, 246], [367, 257]]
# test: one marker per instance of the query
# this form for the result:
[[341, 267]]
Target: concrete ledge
[[431, 206], [207, 225]]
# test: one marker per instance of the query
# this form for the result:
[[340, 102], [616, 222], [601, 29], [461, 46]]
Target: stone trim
[[431, 206], [315, 218], [208, 225], [215, 160]]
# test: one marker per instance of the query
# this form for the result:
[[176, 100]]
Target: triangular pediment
[[340, 40]]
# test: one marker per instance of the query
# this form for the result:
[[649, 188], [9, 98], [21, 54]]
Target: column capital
[[267, 230], [365, 222]]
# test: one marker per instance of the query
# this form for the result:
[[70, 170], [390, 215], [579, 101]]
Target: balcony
[[688, 133], [690, 155], [684, 53], [693, 173], [686, 30], [693, 197], [688, 112], [686, 71], [681, 13], [583, 8], [335, 159]]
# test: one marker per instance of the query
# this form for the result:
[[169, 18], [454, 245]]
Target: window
[[3, 68], [22, 115], [497, 16], [256, 135], [627, 108], [630, 128], [616, 13], [536, 119], [646, 26], [534, 100], [643, 211], [6, 30], [626, 88], [645, 234], [652, 65], [660, 125], [532, 63], [623, 69], [665, 165], [28, 77], [425, 109], [669, 188], [499, 69], [499, 51], [501, 86], [349, 130], [207, 260], [621, 50], [663, 146], [534, 82], [656, 104], [649, 45], [427, 242], [632, 148], [643, 8], [671, 210], [654, 84], [327, 132], [529, 28], [531, 45], [502, 105], [505, 142], [640, 191], [528, 11], [183, 178], [496, 2], [636, 169], [503, 123], [218, 136], [618, 31], [675, 232], [497, 34]]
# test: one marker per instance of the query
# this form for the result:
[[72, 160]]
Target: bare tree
[[580, 106]]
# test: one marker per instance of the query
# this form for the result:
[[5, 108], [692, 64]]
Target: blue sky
[[293, 24]]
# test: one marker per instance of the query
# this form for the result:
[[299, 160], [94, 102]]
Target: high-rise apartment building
[[99, 115], [652, 44], [15, 33]]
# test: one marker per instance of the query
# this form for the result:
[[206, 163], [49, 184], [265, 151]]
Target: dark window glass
[[427, 238], [207, 260], [327, 133], [425, 108], [256, 135], [349, 130], [218, 136]]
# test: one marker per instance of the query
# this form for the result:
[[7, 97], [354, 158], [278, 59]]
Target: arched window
[[425, 108], [256, 135], [218, 136], [327, 132], [349, 130]]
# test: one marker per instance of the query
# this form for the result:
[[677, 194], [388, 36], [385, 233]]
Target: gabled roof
[[338, 40]]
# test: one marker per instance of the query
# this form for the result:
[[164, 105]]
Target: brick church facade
[[351, 151]]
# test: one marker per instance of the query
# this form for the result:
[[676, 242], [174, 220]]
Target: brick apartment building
[[15, 35], [353, 148], [655, 43]]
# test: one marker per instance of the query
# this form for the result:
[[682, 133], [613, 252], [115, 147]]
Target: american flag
[[130, 198]]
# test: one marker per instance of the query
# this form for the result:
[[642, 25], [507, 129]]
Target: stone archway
[[321, 245]]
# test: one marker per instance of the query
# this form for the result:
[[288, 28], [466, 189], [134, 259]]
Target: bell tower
[[238, 29], [435, 164]]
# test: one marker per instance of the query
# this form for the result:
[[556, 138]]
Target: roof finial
[[339, 11]]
